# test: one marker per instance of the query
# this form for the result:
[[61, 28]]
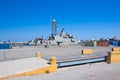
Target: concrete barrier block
[[44, 67], [87, 51], [116, 49], [113, 57]]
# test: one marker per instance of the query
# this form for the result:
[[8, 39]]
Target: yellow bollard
[[53, 60], [1, 79], [37, 55]]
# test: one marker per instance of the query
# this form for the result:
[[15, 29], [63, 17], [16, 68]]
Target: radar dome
[[54, 20]]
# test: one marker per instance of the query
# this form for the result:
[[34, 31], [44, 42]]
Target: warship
[[62, 38]]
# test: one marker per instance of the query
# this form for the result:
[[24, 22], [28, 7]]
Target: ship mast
[[54, 27]]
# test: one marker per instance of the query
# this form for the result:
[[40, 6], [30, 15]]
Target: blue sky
[[23, 20]]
